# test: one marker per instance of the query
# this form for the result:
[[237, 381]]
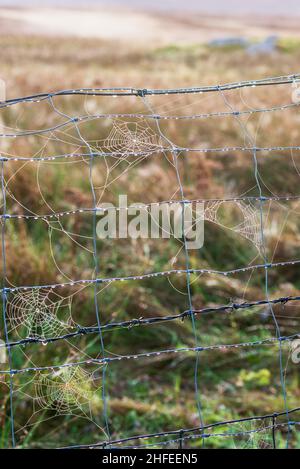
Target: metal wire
[[90, 156], [183, 432]]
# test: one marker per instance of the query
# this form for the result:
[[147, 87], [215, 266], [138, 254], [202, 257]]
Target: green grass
[[146, 395]]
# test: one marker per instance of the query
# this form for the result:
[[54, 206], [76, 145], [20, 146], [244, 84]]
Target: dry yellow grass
[[150, 398]]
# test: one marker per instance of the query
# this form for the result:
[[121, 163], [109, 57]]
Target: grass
[[150, 395]]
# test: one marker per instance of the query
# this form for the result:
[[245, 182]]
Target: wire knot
[[285, 300], [142, 92]]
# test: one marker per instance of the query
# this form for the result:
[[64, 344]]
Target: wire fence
[[38, 313]]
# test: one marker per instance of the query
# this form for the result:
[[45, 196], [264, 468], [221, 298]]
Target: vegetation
[[149, 395]]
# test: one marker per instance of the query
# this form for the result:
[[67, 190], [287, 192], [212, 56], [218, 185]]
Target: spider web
[[132, 137], [70, 392], [120, 145], [252, 435], [65, 391], [38, 312], [248, 228]]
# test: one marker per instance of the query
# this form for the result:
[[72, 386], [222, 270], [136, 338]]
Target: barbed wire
[[183, 432], [280, 80], [154, 320], [203, 436]]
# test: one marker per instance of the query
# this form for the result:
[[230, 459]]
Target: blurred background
[[96, 36], [52, 45]]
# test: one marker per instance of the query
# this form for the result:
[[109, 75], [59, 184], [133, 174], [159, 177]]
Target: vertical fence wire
[[4, 302], [264, 256], [176, 153], [95, 261]]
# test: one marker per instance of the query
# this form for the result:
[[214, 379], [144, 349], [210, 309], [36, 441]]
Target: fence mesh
[[96, 330]]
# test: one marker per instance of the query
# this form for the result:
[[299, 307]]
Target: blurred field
[[149, 396], [146, 26]]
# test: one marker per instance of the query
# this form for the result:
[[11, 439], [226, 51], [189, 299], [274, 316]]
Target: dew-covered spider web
[[132, 137], [66, 391], [140, 341], [38, 314]]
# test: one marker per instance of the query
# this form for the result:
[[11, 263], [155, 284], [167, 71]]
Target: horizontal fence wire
[[153, 275], [147, 206], [281, 80], [183, 432], [148, 116], [154, 354], [159, 319], [178, 436], [149, 153]]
